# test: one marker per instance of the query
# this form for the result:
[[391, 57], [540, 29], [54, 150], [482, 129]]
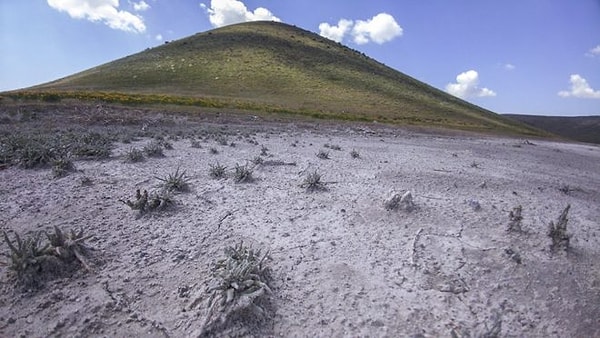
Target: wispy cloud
[[509, 66], [379, 29], [594, 52], [105, 11], [580, 88], [467, 85], [140, 6], [227, 12]]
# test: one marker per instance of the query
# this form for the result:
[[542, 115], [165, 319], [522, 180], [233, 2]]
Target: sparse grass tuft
[[176, 181], [217, 171], [354, 153], [515, 218], [154, 149], [332, 146], [213, 151], [242, 174], [558, 231], [134, 155], [322, 154], [195, 143], [313, 182], [62, 166]]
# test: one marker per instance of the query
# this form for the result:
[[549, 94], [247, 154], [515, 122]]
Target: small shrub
[[26, 257], [242, 272], [217, 171], [134, 155], [222, 140], [147, 203], [333, 146], [242, 174], [558, 231], [241, 280], [258, 160], [264, 151], [86, 181], [33, 262], [176, 181], [515, 218], [195, 143], [91, 146], [313, 182], [166, 145], [396, 201], [62, 166], [34, 153], [354, 153], [69, 246], [154, 149], [213, 151], [322, 154]]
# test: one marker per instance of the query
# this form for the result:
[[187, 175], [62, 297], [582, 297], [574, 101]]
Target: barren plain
[[340, 263]]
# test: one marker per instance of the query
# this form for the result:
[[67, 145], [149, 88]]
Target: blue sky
[[511, 56]]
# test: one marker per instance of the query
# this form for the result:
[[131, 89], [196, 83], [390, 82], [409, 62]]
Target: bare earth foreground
[[341, 264]]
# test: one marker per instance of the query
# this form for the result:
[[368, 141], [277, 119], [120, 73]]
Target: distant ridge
[[276, 67], [577, 128]]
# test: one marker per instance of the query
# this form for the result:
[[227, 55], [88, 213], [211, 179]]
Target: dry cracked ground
[[339, 264]]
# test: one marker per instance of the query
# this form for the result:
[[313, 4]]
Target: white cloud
[[105, 11], [140, 6], [227, 12], [594, 51], [158, 37], [509, 66], [335, 33], [467, 85], [380, 29], [580, 88]]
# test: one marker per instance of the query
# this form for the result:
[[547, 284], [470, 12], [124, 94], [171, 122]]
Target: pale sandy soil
[[342, 265]]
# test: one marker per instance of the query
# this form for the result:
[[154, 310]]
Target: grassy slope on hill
[[578, 128], [277, 67]]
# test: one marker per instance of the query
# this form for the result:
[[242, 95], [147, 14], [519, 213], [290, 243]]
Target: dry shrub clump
[[34, 261], [241, 291], [558, 231]]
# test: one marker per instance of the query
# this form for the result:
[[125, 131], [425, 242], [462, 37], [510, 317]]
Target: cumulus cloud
[[379, 29], [158, 37], [105, 11], [227, 12], [141, 6], [580, 88], [594, 51], [335, 33], [467, 85]]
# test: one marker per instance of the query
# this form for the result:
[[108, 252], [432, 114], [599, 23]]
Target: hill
[[578, 128], [269, 66]]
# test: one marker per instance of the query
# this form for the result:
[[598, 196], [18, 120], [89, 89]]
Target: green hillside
[[279, 68]]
